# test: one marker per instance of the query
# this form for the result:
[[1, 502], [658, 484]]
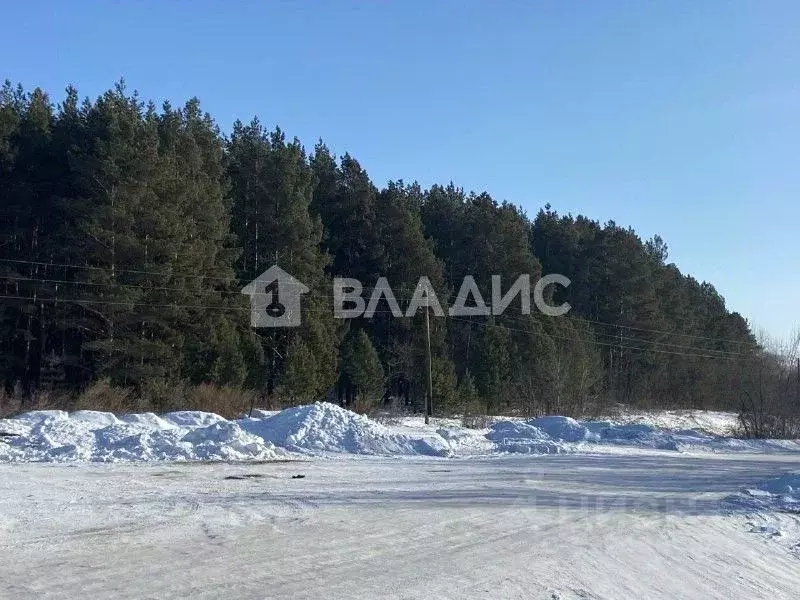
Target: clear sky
[[677, 117]]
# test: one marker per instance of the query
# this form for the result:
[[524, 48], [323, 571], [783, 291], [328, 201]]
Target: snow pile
[[555, 434], [192, 418], [91, 436], [564, 429], [519, 436], [638, 435], [145, 420], [228, 441], [716, 423], [643, 435], [325, 427], [465, 442], [781, 494]]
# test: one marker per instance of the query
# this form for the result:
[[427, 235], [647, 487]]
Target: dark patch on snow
[[245, 476]]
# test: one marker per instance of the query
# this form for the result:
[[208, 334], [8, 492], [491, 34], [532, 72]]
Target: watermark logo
[[275, 298]]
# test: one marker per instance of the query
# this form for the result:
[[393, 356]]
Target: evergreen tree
[[445, 383], [298, 382], [494, 374], [360, 364], [228, 365], [467, 397], [127, 232], [272, 187]]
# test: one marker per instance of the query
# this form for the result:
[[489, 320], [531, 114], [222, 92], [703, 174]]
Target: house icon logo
[[275, 299]]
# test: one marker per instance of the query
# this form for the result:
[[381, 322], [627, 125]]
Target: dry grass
[[15, 402], [8, 403], [102, 396], [157, 396], [476, 421], [386, 418], [362, 406], [225, 400]]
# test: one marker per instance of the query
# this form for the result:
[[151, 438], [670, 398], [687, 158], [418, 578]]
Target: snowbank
[[325, 427], [707, 421], [638, 435], [192, 418], [564, 429], [89, 436], [781, 494], [555, 434], [518, 436]]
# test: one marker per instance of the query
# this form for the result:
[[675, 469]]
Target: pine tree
[[298, 381], [360, 364], [445, 384], [467, 397], [345, 200], [494, 374], [272, 187], [228, 364]]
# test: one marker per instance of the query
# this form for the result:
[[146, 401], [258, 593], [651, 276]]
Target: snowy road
[[644, 525]]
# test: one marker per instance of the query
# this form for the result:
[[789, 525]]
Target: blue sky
[[674, 117]]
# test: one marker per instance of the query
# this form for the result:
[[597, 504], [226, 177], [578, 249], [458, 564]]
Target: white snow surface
[[781, 493], [191, 505], [325, 429], [566, 527]]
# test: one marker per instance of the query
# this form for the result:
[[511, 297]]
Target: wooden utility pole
[[429, 395]]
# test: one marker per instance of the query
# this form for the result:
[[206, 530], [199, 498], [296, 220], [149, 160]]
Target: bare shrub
[[361, 405], [228, 401], [758, 425], [45, 400], [9, 403], [16, 401], [277, 402], [161, 396], [101, 395], [768, 387], [476, 421], [385, 418]]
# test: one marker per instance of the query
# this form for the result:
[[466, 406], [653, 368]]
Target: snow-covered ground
[[781, 493], [318, 502], [555, 526]]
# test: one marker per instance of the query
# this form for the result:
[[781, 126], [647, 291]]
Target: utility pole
[[429, 395]]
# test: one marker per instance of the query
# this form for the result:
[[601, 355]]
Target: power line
[[685, 354], [67, 300], [479, 323], [701, 337], [117, 270], [364, 289], [641, 340]]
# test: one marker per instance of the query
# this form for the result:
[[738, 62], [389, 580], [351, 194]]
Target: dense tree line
[[127, 232]]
